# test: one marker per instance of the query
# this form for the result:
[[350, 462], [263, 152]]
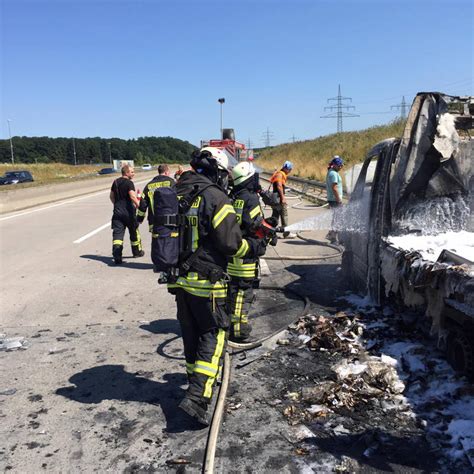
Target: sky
[[133, 68]]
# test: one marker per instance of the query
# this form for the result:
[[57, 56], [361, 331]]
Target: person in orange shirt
[[278, 180]]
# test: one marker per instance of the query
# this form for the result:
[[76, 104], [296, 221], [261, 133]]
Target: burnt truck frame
[[434, 159]]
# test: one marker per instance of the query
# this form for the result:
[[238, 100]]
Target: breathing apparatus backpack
[[169, 229]]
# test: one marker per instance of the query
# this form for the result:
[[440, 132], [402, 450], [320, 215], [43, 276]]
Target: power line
[[402, 107], [339, 114], [267, 136], [293, 138]]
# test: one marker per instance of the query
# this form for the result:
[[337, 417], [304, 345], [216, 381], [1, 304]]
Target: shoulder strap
[[186, 202]]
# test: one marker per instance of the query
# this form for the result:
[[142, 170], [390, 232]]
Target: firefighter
[[163, 179], [211, 235], [125, 201], [243, 271], [278, 180]]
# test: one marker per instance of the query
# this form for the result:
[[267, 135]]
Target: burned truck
[[414, 246]]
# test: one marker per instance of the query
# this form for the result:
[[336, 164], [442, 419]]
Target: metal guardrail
[[312, 190]]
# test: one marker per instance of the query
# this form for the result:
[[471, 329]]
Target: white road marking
[[264, 269], [61, 203], [90, 234]]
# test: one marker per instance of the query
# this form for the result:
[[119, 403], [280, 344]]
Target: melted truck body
[[422, 190]]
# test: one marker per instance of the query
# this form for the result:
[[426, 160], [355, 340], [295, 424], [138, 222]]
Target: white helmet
[[241, 172], [219, 155]]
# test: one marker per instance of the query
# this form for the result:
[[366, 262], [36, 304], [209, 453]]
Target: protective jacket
[[247, 208], [146, 201], [211, 237]]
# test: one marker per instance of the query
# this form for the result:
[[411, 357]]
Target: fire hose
[[211, 445]]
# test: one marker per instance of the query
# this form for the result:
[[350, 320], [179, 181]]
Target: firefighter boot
[[196, 409], [117, 254]]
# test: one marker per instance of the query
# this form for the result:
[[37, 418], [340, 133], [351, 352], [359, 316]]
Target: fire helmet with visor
[[242, 172]]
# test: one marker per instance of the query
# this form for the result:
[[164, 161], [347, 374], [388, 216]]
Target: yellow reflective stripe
[[243, 266], [255, 211], [206, 368], [141, 213], [174, 234], [215, 362], [155, 236], [241, 273], [117, 242], [238, 303], [243, 249], [222, 214]]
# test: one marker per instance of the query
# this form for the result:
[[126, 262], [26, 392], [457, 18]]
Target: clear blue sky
[[130, 68]]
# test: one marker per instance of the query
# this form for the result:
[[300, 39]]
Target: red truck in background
[[235, 150]]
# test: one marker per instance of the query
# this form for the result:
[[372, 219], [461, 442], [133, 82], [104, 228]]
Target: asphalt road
[[97, 383]]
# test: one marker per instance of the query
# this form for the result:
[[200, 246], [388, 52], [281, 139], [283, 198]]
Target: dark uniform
[[124, 217], [243, 271], [212, 235], [146, 201]]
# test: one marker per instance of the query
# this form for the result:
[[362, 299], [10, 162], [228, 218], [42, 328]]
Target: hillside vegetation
[[311, 157]]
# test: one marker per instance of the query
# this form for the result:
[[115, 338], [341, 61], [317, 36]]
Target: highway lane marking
[[68, 201], [90, 234]]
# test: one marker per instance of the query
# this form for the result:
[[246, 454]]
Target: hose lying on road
[[306, 257], [210, 452]]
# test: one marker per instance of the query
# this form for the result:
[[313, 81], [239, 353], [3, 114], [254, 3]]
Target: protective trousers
[[281, 211], [119, 224], [204, 324], [241, 297]]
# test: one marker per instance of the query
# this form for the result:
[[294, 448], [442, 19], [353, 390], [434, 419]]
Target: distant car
[[15, 177], [107, 171], [147, 167]]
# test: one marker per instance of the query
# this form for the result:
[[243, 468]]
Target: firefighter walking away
[[125, 201], [209, 236]]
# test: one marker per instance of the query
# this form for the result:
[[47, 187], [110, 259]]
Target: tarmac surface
[[95, 385]]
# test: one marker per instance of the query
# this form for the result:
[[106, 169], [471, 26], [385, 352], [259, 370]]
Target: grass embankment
[[311, 157], [50, 173]]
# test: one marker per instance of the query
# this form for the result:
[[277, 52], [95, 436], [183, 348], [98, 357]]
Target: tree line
[[152, 150]]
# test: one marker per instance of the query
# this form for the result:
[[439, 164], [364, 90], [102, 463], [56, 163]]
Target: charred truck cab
[[423, 185]]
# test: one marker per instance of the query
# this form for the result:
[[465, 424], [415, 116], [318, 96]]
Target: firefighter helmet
[[288, 165], [219, 155], [242, 172]]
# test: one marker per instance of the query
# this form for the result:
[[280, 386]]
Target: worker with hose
[[211, 235], [243, 271], [280, 210], [334, 193]]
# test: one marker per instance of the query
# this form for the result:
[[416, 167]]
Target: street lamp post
[[110, 153], [11, 143], [74, 151], [221, 101]]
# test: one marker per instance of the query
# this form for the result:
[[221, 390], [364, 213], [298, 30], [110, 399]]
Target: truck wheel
[[460, 352]]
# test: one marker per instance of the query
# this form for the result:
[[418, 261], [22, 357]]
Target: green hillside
[[311, 157]]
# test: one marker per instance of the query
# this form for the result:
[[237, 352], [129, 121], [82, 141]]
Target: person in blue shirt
[[334, 191]]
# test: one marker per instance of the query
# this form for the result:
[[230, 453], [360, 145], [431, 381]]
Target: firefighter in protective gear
[[278, 181], [243, 271], [125, 201], [162, 180], [211, 235]]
